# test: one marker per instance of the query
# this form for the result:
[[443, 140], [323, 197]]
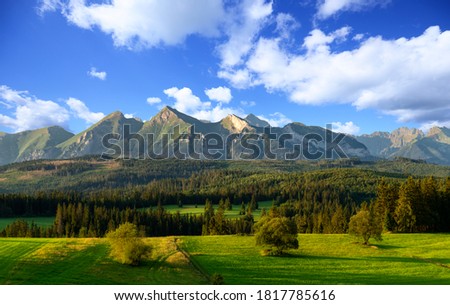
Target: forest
[[319, 201]]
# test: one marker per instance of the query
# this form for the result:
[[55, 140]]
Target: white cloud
[[248, 103], [215, 114], [186, 101], [129, 115], [189, 103], [328, 8], [347, 127], [358, 37], [407, 77], [219, 94], [30, 112], [97, 74], [148, 23], [428, 125], [153, 100], [245, 23], [276, 119], [319, 42], [238, 78], [285, 25], [82, 111], [45, 6]]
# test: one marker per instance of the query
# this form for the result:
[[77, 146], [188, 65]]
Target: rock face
[[235, 124], [255, 121], [171, 133], [90, 141], [433, 147]]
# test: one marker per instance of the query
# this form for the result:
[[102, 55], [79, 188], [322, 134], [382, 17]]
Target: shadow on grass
[[387, 247], [287, 255], [443, 262]]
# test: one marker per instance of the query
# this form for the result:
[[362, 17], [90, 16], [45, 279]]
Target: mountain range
[[432, 147], [171, 133]]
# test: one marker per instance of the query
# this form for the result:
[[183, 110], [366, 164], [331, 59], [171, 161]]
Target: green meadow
[[234, 213], [39, 221], [327, 259], [86, 261], [321, 259]]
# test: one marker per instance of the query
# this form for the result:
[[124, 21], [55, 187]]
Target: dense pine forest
[[320, 198]]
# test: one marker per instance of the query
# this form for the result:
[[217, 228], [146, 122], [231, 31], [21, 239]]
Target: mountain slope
[[90, 141], [253, 120], [433, 147], [235, 124], [31, 145], [231, 138]]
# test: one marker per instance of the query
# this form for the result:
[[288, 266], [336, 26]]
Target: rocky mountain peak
[[255, 121], [235, 124]]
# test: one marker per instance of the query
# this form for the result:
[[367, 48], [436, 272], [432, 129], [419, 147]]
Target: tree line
[[343, 186], [81, 220], [412, 205]]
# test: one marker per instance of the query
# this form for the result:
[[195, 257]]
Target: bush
[[126, 246], [217, 279]]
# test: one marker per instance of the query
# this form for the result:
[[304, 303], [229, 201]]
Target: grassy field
[[234, 213], [327, 259], [86, 261], [321, 259], [40, 221]]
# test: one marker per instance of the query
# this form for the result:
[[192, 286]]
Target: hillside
[[171, 133], [91, 173], [432, 147], [31, 145]]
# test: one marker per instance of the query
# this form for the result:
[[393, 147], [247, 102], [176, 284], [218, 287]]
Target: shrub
[[126, 246], [217, 279]]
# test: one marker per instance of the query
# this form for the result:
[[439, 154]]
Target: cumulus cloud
[[187, 102], [245, 23], [328, 8], [219, 94], [30, 112], [406, 77], [347, 127], [276, 119], [82, 111], [97, 74], [285, 24], [319, 42], [153, 100], [145, 23]]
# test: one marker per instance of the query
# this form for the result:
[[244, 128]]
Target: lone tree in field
[[126, 245], [279, 233], [365, 225]]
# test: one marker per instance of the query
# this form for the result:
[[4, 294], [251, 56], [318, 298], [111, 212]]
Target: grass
[[321, 259], [87, 261], [40, 221], [234, 213], [327, 259]]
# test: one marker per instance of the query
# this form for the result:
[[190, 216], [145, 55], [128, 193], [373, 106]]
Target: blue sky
[[364, 65]]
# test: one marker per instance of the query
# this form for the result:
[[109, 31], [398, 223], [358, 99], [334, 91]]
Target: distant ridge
[[432, 147], [172, 129]]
